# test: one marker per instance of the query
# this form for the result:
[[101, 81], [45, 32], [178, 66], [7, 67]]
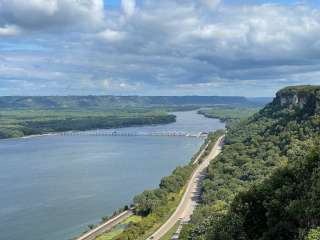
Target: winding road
[[191, 195]]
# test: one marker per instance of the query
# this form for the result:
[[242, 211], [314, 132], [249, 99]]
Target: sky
[[150, 47]]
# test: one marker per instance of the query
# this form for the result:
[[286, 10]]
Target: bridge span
[[133, 134]]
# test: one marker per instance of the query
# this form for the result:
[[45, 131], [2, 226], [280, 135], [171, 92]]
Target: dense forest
[[111, 102], [19, 123], [229, 114], [266, 183]]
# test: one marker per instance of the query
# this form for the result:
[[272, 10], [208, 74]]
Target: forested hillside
[[266, 183], [111, 102], [229, 114]]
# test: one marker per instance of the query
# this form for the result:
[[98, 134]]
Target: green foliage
[[302, 89], [273, 145], [314, 234], [229, 114], [117, 230], [19, 123], [176, 180], [283, 206], [150, 201], [92, 226]]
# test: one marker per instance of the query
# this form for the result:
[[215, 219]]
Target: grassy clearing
[[132, 219], [117, 230], [111, 235]]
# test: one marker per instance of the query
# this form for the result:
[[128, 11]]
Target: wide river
[[52, 187]]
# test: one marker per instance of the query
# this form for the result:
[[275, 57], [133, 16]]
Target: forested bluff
[[265, 185]]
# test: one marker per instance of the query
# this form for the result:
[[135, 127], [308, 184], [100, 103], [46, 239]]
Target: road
[[200, 154], [191, 195], [94, 233]]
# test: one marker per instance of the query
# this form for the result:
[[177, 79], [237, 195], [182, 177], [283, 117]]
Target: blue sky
[[168, 47], [112, 2]]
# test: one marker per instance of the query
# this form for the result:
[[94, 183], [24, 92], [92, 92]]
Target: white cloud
[[128, 6], [9, 30], [45, 14], [113, 85], [179, 42], [174, 45], [110, 35]]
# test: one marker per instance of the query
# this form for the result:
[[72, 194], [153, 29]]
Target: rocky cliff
[[299, 97]]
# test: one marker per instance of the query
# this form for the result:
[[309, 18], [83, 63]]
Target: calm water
[[52, 187]]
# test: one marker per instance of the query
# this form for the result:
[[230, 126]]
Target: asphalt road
[[191, 195]]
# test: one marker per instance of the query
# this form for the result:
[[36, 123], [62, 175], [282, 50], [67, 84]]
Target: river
[[52, 187]]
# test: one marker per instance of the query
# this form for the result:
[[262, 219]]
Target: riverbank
[[106, 226], [191, 195], [77, 179], [228, 114], [170, 196], [24, 123]]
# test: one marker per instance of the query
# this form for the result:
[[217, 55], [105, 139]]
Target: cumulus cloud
[[240, 43], [178, 47], [46, 14]]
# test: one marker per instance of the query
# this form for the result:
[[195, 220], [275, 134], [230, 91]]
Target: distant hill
[[265, 185], [260, 101], [107, 102]]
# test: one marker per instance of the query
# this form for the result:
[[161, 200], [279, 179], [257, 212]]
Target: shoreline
[[98, 230], [80, 131], [53, 125], [148, 127], [187, 203], [116, 128]]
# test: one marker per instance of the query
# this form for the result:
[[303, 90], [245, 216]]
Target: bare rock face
[[292, 100], [299, 97]]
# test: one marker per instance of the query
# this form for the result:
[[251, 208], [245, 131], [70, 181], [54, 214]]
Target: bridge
[[133, 134]]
